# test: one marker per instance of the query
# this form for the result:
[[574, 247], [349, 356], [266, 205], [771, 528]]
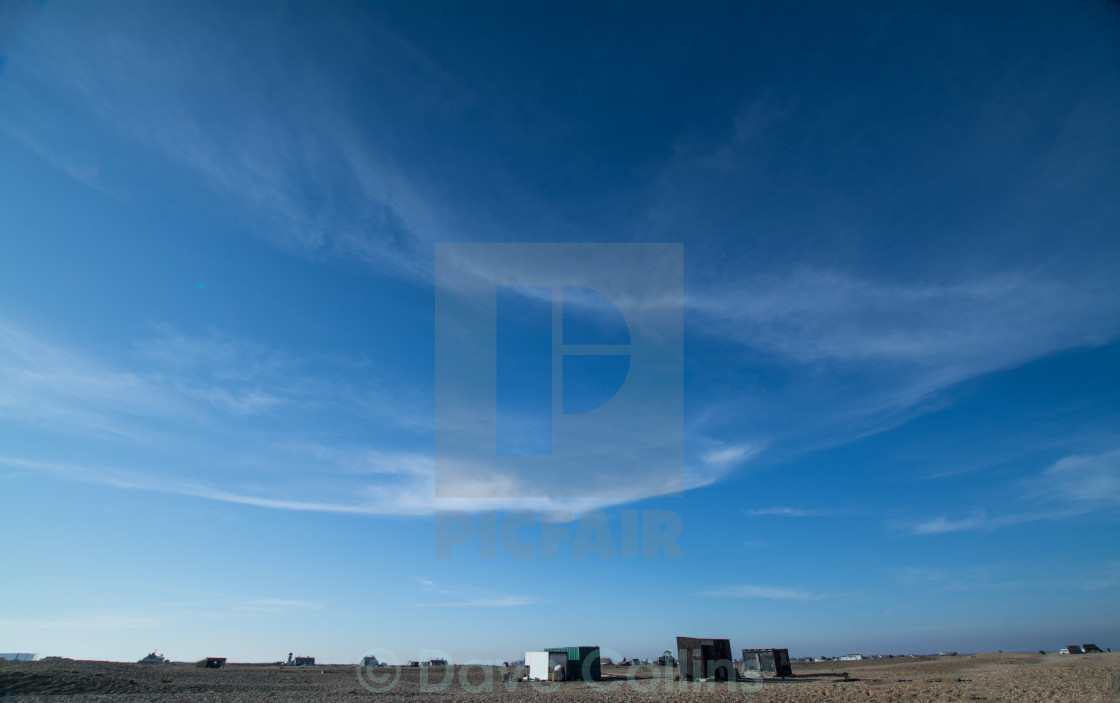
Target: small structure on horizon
[[370, 660], [211, 663], [1090, 648], [583, 664], [300, 661], [702, 658], [18, 656], [851, 658], [565, 664], [767, 661], [542, 664], [154, 658]]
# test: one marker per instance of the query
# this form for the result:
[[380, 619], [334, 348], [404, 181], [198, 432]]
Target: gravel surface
[[1018, 678]]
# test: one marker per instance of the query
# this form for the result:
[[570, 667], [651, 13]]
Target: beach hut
[[702, 658], [583, 664], [542, 664], [767, 661]]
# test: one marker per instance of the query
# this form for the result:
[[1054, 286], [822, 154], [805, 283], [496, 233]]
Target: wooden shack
[[702, 658], [767, 661]]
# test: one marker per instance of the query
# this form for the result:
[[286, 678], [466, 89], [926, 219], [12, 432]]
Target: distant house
[[370, 660], [303, 661], [702, 658], [767, 661], [211, 663], [18, 656], [851, 657], [154, 658]]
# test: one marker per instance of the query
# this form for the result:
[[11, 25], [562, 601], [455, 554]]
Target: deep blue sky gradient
[[902, 313]]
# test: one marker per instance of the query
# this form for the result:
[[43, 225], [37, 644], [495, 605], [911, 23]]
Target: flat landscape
[[1021, 678]]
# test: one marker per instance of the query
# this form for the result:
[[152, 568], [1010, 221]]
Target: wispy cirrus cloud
[[1072, 486], [982, 521], [722, 454], [972, 324], [196, 400], [860, 353], [469, 597], [191, 381], [786, 512], [289, 160], [1082, 479]]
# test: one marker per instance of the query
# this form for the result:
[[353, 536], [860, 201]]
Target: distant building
[[767, 661], [303, 661], [369, 660], [18, 656], [851, 657], [1090, 648], [211, 663], [436, 662], [705, 659], [154, 658]]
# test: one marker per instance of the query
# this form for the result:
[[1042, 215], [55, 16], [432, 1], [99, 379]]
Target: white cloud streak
[[190, 408], [785, 512], [463, 597], [1072, 486]]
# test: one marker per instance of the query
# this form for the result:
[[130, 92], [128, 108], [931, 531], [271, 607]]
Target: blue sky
[[901, 312]]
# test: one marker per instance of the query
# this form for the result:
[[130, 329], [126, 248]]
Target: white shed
[[541, 664]]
